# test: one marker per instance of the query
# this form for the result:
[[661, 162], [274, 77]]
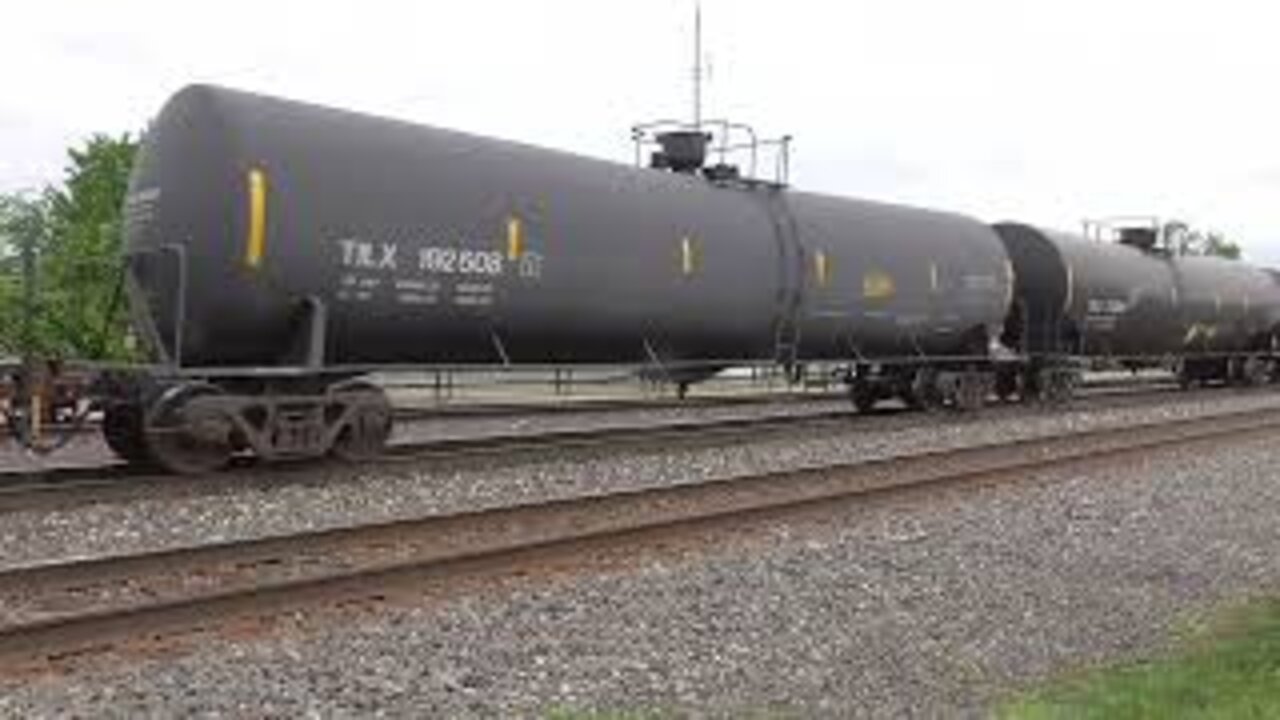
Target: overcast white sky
[[1039, 111]]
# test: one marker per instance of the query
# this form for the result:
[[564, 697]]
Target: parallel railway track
[[61, 612], [65, 487], [68, 486]]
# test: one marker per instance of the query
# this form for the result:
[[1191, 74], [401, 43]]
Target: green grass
[[568, 713], [1228, 667], [583, 714]]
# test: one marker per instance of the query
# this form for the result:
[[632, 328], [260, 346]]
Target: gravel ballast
[[922, 606], [382, 493]]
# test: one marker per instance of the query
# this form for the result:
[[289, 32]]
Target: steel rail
[[262, 577], [64, 487]]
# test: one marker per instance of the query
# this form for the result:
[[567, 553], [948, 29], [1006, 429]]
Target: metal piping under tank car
[[276, 252]]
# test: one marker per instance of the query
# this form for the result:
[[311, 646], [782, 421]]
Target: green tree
[[77, 231], [23, 219], [1187, 240]]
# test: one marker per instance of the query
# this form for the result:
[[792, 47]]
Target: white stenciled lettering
[[388, 261], [349, 251], [363, 255], [452, 261], [531, 266], [358, 256]]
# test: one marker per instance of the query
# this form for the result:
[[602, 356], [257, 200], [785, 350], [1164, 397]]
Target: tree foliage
[[77, 234], [1187, 240], [23, 218]]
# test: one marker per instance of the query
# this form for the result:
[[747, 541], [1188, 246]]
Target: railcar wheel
[[922, 393], [1253, 371], [970, 391], [1006, 385], [1184, 378], [1057, 385], [864, 396], [368, 426], [187, 436], [122, 430]]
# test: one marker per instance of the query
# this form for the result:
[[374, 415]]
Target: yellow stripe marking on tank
[[687, 259], [1071, 289], [256, 244], [822, 268], [1011, 276], [878, 285], [515, 238], [933, 277]]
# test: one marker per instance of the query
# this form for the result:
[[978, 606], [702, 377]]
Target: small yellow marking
[[933, 277], [256, 244], [822, 268], [515, 238], [688, 256], [878, 285]]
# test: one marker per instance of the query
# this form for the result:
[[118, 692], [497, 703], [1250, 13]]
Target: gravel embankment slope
[[919, 607], [339, 495]]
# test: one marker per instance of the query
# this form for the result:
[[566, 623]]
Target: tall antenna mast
[[697, 66]]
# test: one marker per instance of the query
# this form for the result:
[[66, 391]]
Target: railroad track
[[65, 487], [63, 612], [568, 405], [72, 485]]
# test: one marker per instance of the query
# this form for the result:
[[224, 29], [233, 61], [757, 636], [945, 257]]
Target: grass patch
[[569, 713], [1228, 667], [576, 714]]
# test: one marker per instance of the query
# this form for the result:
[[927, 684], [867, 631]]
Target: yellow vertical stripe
[[822, 267], [686, 255], [256, 244], [515, 238]]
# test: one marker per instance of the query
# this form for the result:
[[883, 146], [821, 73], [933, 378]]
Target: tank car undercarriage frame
[[962, 384], [196, 424], [192, 422]]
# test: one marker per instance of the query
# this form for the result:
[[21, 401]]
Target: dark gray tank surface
[[1093, 298], [898, 281], [432, 246], [1099, 298], [1226, 305]]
